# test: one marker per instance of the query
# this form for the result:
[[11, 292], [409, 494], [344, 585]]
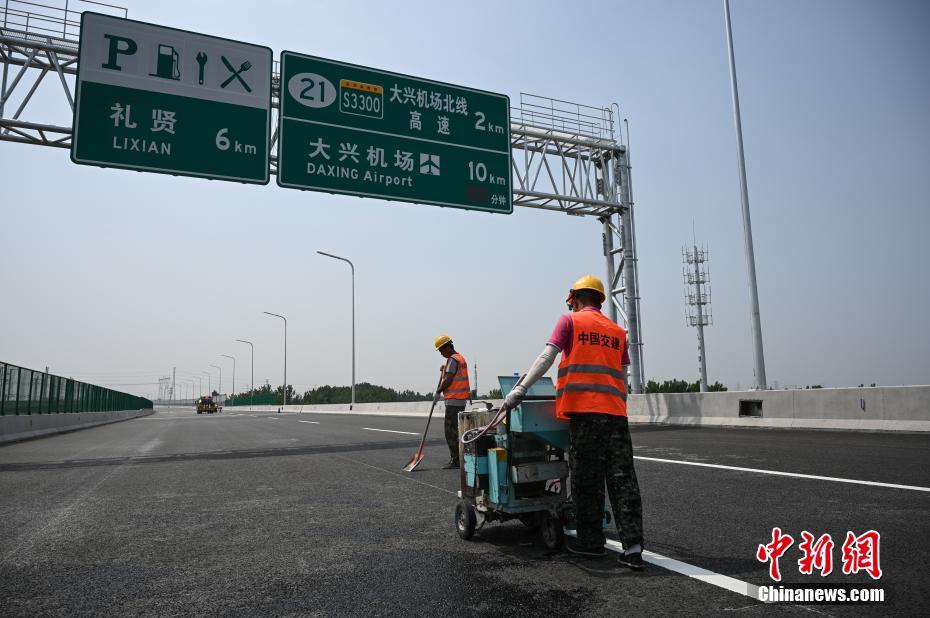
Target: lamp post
[[209, 384], [234, 373], [252, 383], [284, 386], [352, 266], [755, 320], [220, 369]]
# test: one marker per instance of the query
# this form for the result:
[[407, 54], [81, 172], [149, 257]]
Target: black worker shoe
[[587, 551], [452, 465], [634, 561]]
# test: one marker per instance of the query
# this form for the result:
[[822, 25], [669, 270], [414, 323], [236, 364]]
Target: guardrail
[[27, 391]]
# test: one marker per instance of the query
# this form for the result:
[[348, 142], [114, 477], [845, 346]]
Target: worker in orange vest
[[456, 390], [591, 395]]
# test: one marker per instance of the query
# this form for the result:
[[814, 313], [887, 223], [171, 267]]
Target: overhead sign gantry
[[562, 156]]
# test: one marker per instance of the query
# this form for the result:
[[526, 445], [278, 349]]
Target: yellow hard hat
[[442, 340], [588, 282]]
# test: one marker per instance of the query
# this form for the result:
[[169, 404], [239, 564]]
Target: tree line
[[365, 392]]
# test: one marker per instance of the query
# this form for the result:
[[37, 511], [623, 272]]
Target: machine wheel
[[530, 520], [465, 519], [550, 530]]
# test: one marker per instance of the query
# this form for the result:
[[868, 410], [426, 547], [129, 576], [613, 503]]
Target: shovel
[[418, 456]]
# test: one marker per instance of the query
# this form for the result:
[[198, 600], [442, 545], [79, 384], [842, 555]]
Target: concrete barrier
[[888, 408], [14, 428], [891, 408]]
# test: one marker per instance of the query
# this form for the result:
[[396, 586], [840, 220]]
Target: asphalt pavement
[[310, 514]]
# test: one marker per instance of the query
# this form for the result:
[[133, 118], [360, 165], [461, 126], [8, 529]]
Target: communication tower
[[696, 278]]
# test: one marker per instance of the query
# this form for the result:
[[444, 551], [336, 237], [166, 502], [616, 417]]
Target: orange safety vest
[[459, 388], [592, 379]]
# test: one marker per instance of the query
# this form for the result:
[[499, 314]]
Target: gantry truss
[[565, 156]]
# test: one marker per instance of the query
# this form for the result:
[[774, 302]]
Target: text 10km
[[479, 171]]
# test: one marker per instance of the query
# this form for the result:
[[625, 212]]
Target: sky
[[115, 277]]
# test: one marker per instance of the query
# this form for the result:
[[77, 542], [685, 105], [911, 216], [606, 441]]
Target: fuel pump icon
[[166, 65]]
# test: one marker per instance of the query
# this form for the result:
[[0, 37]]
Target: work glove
[[515, 397], [437, 397]]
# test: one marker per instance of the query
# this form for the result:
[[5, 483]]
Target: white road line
[[792, 474], [409, 433], [406, 477], [271, 418], [709, 577], [311, 422]]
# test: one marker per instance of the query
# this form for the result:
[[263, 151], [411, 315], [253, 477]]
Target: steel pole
[[747, 224], [220, 370], [351, 266], [233, 358], [639, 314], [630, 281], [252, 382], [284, 387]]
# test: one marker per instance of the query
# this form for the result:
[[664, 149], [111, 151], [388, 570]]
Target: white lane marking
[[406, 476], [311, 422], [274, 419], [677, 566], [716, 579], [792, 474], [409, 433]]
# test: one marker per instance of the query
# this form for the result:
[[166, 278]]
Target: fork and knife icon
[[236, 74]]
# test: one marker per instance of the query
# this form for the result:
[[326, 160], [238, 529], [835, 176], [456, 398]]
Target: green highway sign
[[349, 129], [157, 99]]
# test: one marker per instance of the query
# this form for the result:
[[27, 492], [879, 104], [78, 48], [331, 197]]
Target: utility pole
[[352, 267], [754, 317], [284, 387], [174, 376], [252, 383], [220, 369], [233, 358]]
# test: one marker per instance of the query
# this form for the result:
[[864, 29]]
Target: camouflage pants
[[601, 453], [452, 429]]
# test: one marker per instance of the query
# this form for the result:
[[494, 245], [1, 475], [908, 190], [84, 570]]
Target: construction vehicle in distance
[[205, 404]]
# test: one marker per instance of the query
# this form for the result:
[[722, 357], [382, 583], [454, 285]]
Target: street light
[[252, 384], [284, 387], [209, 385], [352, 266], [234, 373], [220, 369], [755, 320]]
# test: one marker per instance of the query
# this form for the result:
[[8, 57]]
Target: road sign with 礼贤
[[367, 132], [157, 99]]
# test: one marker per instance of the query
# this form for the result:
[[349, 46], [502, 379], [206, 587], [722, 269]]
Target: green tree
[[681, 386]]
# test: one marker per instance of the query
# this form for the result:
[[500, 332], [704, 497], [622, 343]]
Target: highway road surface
[[248, 514]]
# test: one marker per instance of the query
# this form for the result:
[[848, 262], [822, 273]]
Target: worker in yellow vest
[[456, 390], [591, 395]]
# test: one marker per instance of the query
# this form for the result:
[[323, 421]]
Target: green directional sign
[[158, 99], [361, 131]]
